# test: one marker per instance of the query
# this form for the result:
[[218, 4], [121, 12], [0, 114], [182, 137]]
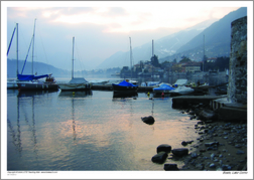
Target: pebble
[[226, 167], [237, 146], [202, 150], [200, 166], [212, 156], [240, 152], [215, 160], [170, 167], [212, 165], [194, 155]]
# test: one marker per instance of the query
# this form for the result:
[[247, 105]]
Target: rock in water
[[180, 152], [170, 167], [206, 114], [148, 120], [164, 147], [160, 157]]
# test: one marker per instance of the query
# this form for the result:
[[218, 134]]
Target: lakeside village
[[195, 72]]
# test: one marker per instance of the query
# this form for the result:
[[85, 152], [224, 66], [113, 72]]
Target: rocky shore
[[222, 145]]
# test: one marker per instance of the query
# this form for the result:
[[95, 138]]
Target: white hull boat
[[182, 90], [75, 84], [12, 84], [98, 82]]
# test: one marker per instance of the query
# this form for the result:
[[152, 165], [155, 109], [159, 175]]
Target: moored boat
[[31, 81], [35, 84], [180, 88], [162, 90], [125, 88], [75, 84]]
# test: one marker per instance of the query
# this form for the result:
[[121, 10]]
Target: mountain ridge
[[164, 46]]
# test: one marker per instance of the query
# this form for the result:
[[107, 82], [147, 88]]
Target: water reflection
[[84, 132], [124, 95], [74, 94], [24, 106]]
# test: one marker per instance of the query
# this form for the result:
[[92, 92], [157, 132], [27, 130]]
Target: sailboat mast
[[152, 49], [204, 53], [17, 55], [72, 74], [130, 57], [33, 47]]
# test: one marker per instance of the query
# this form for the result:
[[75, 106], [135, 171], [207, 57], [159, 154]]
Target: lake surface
[[90, 131]]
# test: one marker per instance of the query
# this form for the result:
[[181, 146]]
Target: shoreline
[[222, 146]]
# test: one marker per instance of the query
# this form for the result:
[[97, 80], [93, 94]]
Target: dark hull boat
[[125, 89]]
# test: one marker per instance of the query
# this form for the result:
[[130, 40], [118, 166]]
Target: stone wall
[[237, 87]]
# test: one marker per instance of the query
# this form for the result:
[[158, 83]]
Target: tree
[[155, 61], [185, 59]]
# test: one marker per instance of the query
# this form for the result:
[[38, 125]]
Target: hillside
[[40, 68], [217, 39], [163, 47]]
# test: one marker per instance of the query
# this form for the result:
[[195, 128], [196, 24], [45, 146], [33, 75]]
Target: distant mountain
[[217, 38], [40, 68], [163, 47]]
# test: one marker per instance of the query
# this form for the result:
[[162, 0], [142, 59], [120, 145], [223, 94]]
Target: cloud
[[100, 30], [112, 12]]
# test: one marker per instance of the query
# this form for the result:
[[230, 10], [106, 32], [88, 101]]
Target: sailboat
[[75, 84], [31, 81], [126, 87], [12, 84]]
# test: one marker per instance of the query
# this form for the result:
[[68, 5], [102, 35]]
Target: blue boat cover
[[164, 87], [22, 77], [127, 84]]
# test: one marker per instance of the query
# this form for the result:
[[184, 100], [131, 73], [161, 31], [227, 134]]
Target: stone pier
[[237, 86]]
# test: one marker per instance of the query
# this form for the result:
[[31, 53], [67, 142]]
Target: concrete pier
[[225, 110], [185, 101]]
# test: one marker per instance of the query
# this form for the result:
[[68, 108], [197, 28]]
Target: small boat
[[12, 84], [181, 82], [98, 82], [180, 88], [75, 84], [31, 81], [163, 89], [125, 88], [151, 84]]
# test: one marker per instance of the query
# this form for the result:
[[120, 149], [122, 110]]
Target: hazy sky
[[100, 28]]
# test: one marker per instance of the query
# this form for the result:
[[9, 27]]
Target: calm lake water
[[65, 131]]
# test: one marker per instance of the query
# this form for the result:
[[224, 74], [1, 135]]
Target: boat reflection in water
[[125, 95], [26, 101], [34, 93], [76, 93]]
